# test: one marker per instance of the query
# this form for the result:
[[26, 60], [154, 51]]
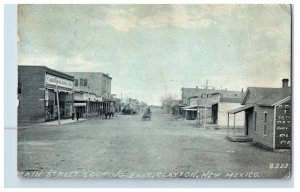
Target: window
[[255, 117], [85, 82], [265, 123], [19, 88], [76, 82], [81, 82]]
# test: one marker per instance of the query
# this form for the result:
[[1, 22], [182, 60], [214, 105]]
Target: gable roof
[[265, 96]]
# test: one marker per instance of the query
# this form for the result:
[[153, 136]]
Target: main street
[[127, 147]]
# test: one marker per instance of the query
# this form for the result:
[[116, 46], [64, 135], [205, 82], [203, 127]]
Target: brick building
[[92, 93], [267, 116], [41, 92]]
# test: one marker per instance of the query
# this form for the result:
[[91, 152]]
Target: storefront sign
[[283, 124], [57, 81]]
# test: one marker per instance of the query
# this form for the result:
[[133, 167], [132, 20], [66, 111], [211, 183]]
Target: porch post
[[233, 124], [227, 124]]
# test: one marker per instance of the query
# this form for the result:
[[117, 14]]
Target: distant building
[[116, 103], [187, 93], [268, 116], [42, 93], [216, 103], [92, 92], [130, 106]]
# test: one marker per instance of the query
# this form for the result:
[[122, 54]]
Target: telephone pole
[[206, 86]]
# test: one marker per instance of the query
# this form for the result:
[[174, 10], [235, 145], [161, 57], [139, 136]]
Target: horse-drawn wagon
[[147, 115]]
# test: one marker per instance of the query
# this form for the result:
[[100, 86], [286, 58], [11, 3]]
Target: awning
[[190, 109], [79, 104], [234, 111], [196, 106]]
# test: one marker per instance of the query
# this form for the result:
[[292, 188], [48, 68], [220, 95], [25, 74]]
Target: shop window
[[265, 123], [81, 82], [19, 88], [255, 117], [76, 82], [85, 82]]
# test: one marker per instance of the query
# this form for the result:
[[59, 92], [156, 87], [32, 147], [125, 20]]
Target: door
[[246, 123]]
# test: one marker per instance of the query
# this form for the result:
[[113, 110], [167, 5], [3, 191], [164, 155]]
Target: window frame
[[265, 123], [81, 82], [255, 121]]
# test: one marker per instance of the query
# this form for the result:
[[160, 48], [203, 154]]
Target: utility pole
[[206, 103], [198, 107]]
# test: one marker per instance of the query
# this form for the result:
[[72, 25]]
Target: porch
[[237, 133]]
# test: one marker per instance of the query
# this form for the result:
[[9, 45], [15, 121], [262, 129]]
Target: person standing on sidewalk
[[77, 115], [73, 114]]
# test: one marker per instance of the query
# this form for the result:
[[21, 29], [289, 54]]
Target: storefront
[[44, 94], [59, 98]]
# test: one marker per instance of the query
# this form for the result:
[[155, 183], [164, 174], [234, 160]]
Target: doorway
[[247, 123]]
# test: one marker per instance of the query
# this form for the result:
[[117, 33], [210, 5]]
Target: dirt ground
[[127, 147]]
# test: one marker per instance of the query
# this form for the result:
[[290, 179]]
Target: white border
[[295, 71]]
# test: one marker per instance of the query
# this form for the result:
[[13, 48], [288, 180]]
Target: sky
[[152, 51]]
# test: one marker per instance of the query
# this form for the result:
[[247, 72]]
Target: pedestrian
[[77, 115], [112, 114], [73, 114]]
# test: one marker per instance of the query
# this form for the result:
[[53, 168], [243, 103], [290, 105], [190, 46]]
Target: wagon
[[146, 116]]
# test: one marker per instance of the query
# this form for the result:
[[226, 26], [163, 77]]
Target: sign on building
[[283, 124], [57, 81]]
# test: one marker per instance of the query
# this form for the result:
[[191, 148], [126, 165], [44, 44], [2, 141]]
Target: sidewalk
[[63, 121]]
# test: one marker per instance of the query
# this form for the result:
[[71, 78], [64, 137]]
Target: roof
[[232, 96], [230, 100], [48, 70], [234, 111], [265, 96], [78, 74]]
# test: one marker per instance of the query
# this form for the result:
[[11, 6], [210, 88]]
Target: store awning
[[195, 106], [190, 109], [79, 104], [234, 111]]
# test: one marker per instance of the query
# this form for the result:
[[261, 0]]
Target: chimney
[[285, 82]]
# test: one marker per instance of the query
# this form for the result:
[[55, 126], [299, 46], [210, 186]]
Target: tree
[[168, 102]]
